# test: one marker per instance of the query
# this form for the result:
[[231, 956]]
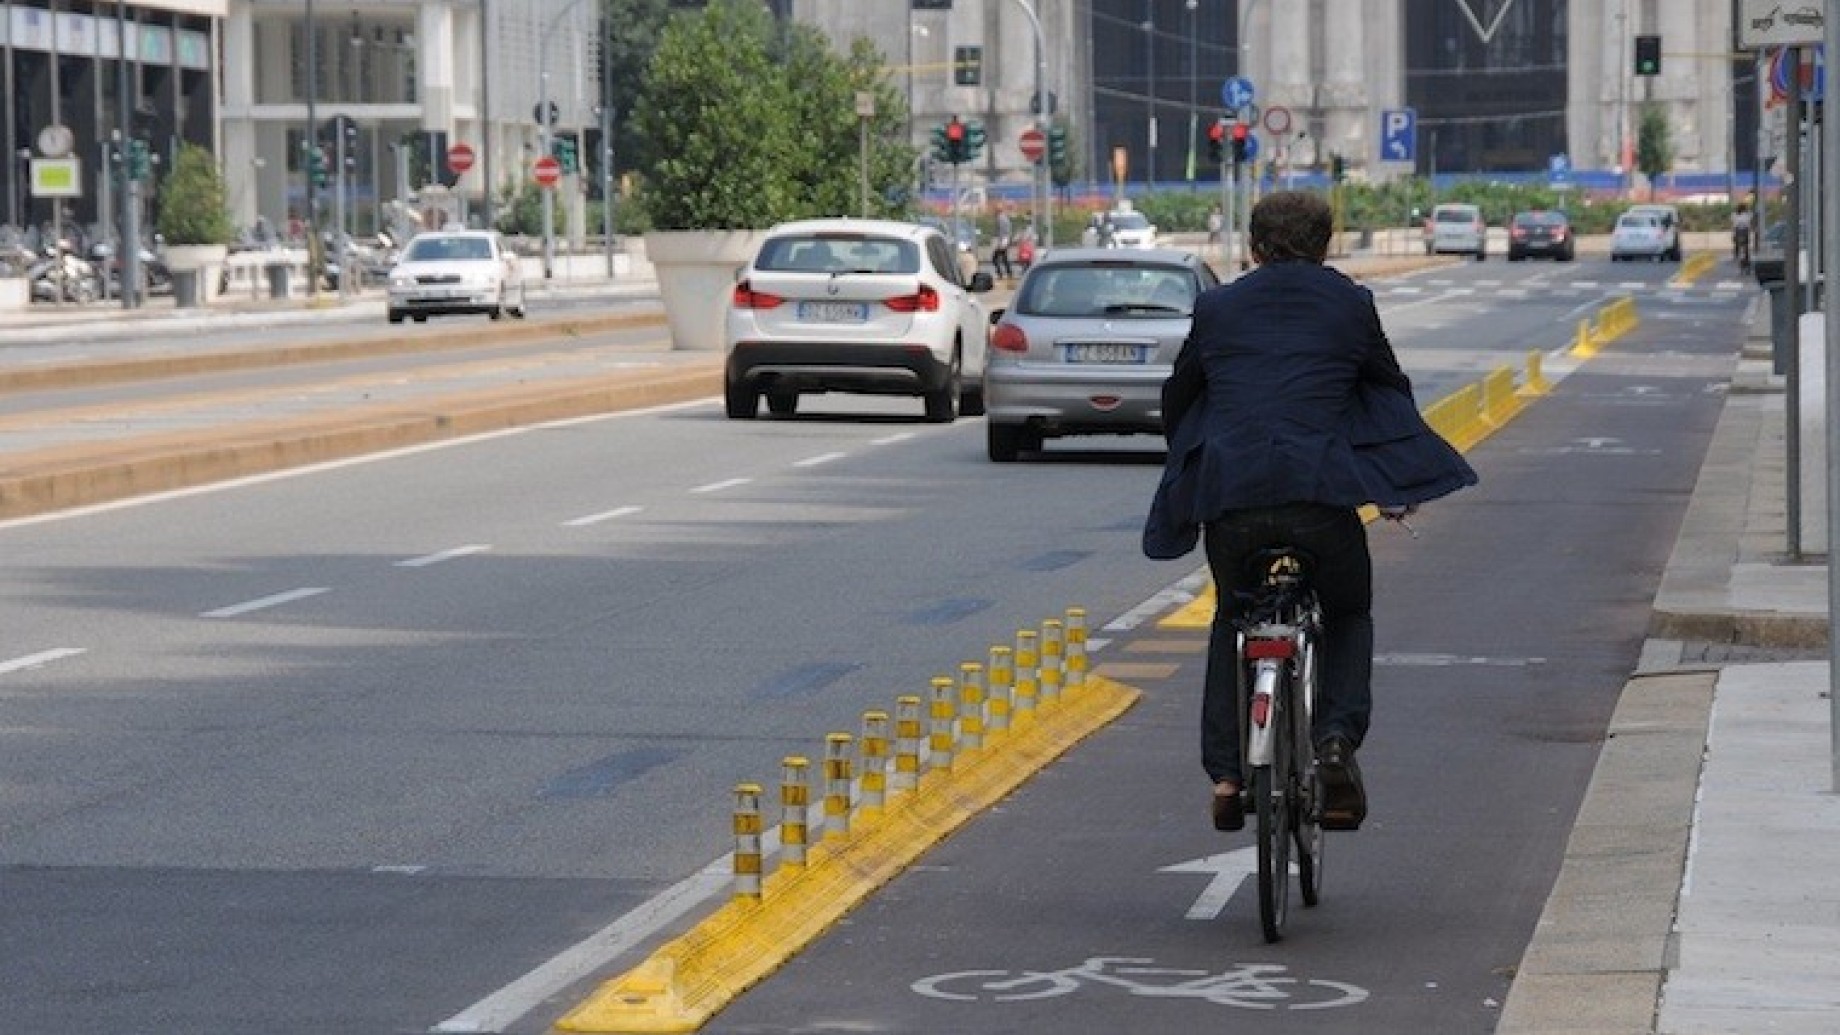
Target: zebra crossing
[[1579, 289]]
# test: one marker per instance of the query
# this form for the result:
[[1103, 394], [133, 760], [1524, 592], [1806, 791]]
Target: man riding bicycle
[[1285, 412]]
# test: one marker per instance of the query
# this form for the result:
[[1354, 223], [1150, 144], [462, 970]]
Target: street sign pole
[[1830, 247]]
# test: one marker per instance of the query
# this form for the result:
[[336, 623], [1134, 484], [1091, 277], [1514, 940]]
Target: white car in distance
[[456, 272]]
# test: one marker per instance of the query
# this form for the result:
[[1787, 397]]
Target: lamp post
[[128, 251], [1150, 90], [546, 118], [1194, 114], [1239, 67], [1042, 199]]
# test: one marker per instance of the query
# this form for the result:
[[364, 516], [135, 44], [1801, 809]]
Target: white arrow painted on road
[[1230, 870]]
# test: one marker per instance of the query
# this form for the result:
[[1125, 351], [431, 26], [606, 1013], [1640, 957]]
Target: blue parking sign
[[1399, 135], [1558, 168]]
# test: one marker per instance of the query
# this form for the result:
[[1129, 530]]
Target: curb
[[76, 476]]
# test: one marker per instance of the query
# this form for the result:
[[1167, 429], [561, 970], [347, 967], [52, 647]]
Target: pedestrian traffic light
[[1242, 135], [562, 149], [956, 150], [968, 66], [1338, 167], [974, 141], [1217, 141], [1648, 55], [316, 167], [140, 161], [1057, 144]]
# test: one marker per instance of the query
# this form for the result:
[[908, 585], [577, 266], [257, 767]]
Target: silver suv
[[1086, 345]]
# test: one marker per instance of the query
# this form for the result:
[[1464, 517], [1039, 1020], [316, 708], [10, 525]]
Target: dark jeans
[[1343, 578]]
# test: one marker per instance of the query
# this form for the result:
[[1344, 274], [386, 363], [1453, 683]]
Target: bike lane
[[1097, 899]]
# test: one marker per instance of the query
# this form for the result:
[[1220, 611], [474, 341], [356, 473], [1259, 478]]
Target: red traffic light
[[1240, 129], [955, 131], [1217, 132]]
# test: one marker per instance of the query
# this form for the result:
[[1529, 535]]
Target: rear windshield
[[1638, 219], [1540, 219], [1455, 215], [1109, 290], [1130, 221], [839, 253]]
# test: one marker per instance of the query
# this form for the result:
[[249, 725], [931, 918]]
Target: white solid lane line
[[605, 515], [43, 657], [266, 602], [821, 458], [727, 483], [445, 555], [889, 440]]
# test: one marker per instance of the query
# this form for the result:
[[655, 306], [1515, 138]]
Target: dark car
[[1541, 233]]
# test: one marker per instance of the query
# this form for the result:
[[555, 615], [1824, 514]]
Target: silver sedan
[[1086, 345]]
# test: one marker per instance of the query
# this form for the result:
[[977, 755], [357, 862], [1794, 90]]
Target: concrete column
[[1289, 76], [239, 127], [435, 43], [1345, 94]]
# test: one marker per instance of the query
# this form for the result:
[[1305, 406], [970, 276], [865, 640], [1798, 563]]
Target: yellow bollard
[[1001, 685], [970, 706], [1053, 647], [944, 732], [1584, 346], [1028, 686], [906, 773], [1536, 377], [837, 779], [747, 842], [874, 778], [1076, 648], [794, 797]]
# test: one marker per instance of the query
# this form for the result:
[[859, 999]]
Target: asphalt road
[[356, 749]]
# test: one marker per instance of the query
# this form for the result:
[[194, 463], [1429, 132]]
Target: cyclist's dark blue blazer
[[1287, 391]]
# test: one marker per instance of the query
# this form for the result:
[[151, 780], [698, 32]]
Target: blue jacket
[[1287, 391]]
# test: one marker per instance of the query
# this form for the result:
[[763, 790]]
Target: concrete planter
[[15, 294], [696, 271], [206, 259]]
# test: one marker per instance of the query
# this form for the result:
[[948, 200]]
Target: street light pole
[[1150, 90], [1194, 114], [128, 249], [545, 122], [1239, 68], [1042, 199]]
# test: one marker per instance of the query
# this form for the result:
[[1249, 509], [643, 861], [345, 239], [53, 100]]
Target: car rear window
[[1108, 290], [1130, 221], [839, 253], [1540, 219], [441, 249], [1456, 215], [1638, 219]]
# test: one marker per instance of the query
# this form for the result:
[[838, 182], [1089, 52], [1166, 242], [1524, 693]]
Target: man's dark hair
[[1291, 226]]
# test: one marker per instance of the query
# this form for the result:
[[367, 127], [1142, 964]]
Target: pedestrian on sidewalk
[[999, 252], [1284, 417]]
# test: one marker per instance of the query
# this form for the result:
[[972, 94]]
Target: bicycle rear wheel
[[1307, 791], [1276, 805]]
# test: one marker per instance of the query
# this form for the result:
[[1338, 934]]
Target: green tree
[[1654, 145], [193, 209], [633, 28], [742, 126]]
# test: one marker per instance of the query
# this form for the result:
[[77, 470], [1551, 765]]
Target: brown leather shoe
[[1229, 811], [1344, 803]]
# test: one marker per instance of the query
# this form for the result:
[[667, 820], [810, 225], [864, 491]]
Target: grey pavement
[[1696, 896]]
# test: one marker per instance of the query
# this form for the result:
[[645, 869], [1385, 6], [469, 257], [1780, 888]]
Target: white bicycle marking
[[1249, 986]]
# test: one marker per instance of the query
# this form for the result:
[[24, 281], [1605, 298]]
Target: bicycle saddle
[[1280, 575]]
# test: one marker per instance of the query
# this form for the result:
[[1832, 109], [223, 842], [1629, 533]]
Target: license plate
[[1105, 352], [833, 312]]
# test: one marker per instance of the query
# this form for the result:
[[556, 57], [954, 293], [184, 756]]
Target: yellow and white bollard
[[837, 780], [874, 779], [1076, 648], [794, 802], [1002, 683], [1053, 647], [971, 705], [943, 734], [1028, 688], [747, 842], [906, 775]]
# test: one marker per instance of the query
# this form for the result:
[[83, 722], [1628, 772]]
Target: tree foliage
[[193, 209], [1654, 144], [743, 124]]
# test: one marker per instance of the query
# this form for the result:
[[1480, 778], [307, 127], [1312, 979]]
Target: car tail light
[[924, 300], [1558, 233], [1009, 338], [747, 298], [1518, 232]]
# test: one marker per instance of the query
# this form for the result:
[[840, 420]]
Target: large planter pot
[[15, 294], [696, 272], [206, 261]]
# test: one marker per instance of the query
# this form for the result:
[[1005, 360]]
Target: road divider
[[1612, 322], [970, 764], [1696, 266]]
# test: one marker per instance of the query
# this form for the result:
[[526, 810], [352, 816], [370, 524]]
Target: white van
[[1456, 228]]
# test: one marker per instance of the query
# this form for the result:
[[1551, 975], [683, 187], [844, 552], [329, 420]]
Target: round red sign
[[1034, 144], [460, 157], [546, 172]]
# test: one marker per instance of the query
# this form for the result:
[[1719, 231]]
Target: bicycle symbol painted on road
[[1252, 986]]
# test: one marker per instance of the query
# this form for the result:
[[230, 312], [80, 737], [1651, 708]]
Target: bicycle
[[1277, 634]]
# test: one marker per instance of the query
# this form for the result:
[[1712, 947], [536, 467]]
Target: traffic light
[[942, 148], [974, 141], [140, 161], [1217, 141], [1338, 167], [1242, 136], [562, 149], [956, 150], [968, 66], [316, 167], [1648, 55]]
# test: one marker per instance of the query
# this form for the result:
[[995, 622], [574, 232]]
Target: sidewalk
[[1697, 894]]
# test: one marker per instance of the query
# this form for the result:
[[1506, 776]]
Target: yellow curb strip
[[1697, 265], [687, 981]]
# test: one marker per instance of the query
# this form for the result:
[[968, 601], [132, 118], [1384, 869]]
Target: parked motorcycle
[[154, 274], [64, 276]]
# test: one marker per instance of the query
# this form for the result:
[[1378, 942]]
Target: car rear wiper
[[1143, 307]]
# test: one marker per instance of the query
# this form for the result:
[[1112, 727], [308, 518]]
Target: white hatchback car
[[456, 271], [1644, 235], [1457, 228], [856, 305]]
